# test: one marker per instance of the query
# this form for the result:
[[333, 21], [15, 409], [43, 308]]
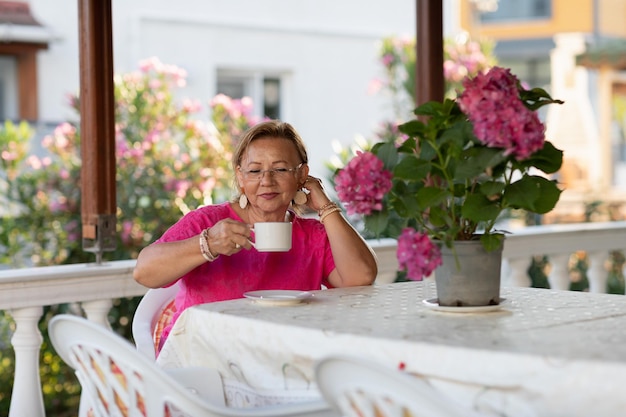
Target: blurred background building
[[575, 49], [310, 62]]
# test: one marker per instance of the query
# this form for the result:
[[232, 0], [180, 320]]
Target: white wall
[[329, 47]]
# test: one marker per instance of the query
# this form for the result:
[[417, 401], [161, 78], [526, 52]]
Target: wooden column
[[97, 126], [429, 82]]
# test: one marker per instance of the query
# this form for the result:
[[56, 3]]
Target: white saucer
[[434, 305], [278, 297]]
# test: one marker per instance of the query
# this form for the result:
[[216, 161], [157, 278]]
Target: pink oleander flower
[[417, 254], [363, 183], [500, 118]]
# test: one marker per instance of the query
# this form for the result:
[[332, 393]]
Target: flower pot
[[474, 280]]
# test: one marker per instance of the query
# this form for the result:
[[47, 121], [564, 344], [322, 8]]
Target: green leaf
[[532, 193], [404, 204], [492, 241], [431, 196], [427, 151], [387, 153], [549, 195], [491, 188], [548, 159], [536, 98], [439, 218], [430, 108], [476, 160], [412, 128], [478, 208], [411, 168], [377, 222], [408, 146]]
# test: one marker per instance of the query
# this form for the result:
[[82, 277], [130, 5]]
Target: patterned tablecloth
[[544, 353]]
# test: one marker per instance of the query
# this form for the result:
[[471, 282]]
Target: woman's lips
[[268, 196]]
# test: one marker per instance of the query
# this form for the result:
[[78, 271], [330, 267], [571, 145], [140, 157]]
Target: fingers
[[317, 195], [312, 181], [229, 236]]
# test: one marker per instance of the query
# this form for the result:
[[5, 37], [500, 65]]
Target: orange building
[[575, 49]]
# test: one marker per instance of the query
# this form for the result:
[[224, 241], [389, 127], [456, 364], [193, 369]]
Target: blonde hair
[[267, 129]]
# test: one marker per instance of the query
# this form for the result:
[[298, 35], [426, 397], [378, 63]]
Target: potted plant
[[461, 165]]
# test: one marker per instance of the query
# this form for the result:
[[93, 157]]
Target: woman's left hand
[[317, 196]]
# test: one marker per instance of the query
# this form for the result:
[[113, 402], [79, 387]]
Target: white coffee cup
[[272, 236]]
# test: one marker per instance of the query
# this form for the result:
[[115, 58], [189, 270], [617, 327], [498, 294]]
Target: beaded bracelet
[[326, 207], [329, 212], [204, 246]]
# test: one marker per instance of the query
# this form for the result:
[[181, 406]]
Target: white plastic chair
[[359, 388], [117, 380], [147, 316]]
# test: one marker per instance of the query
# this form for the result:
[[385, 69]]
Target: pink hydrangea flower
[[500, 118], [363, 183], [417, 254]]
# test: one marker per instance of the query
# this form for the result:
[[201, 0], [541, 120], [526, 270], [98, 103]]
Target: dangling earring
[[300, 197], [243, 201]]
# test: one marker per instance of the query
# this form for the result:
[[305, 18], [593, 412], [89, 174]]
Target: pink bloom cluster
[[500, 118], [154, 64], [234, 107], [465, 58], [417, 254], [363, 183]]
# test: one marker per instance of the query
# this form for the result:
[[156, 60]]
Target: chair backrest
[[359, 388], [118, 381], [153, 313]]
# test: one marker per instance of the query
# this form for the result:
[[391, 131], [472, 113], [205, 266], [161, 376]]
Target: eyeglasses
[[278, 173]]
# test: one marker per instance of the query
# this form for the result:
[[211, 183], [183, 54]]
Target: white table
[[545, 353]]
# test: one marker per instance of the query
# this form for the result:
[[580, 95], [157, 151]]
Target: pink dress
[[305, 267]]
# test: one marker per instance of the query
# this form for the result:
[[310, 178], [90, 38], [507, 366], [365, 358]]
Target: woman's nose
[[267, 176]]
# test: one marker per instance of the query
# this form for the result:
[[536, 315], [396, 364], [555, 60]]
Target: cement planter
[[472, 281]]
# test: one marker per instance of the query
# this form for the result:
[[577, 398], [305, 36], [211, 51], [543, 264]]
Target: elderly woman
[[209, 249]]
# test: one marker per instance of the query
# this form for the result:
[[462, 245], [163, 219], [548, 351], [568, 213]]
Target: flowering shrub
[[463, 57], [168, 162], [473, 158]]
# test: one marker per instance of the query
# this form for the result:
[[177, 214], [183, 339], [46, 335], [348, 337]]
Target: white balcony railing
[[24, 292]]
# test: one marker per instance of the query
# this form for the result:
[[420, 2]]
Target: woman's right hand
[[229, 236]]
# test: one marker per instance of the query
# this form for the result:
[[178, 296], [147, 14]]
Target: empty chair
[[117, 380], [359, 388], [153, 313]]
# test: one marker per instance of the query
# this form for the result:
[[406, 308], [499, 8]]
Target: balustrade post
[[27, 396], [515, 272], [98, 311], [597, 273], [559, 272]]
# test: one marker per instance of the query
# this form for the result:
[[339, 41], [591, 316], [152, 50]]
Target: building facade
[[575, 50], [308, 62]]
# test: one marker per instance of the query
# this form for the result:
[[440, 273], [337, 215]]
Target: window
[[508, 10], [264, 89], [8, 88], [532, 72]]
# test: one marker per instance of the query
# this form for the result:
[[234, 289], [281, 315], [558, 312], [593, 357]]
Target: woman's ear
[[304, 173], [239, 176]]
